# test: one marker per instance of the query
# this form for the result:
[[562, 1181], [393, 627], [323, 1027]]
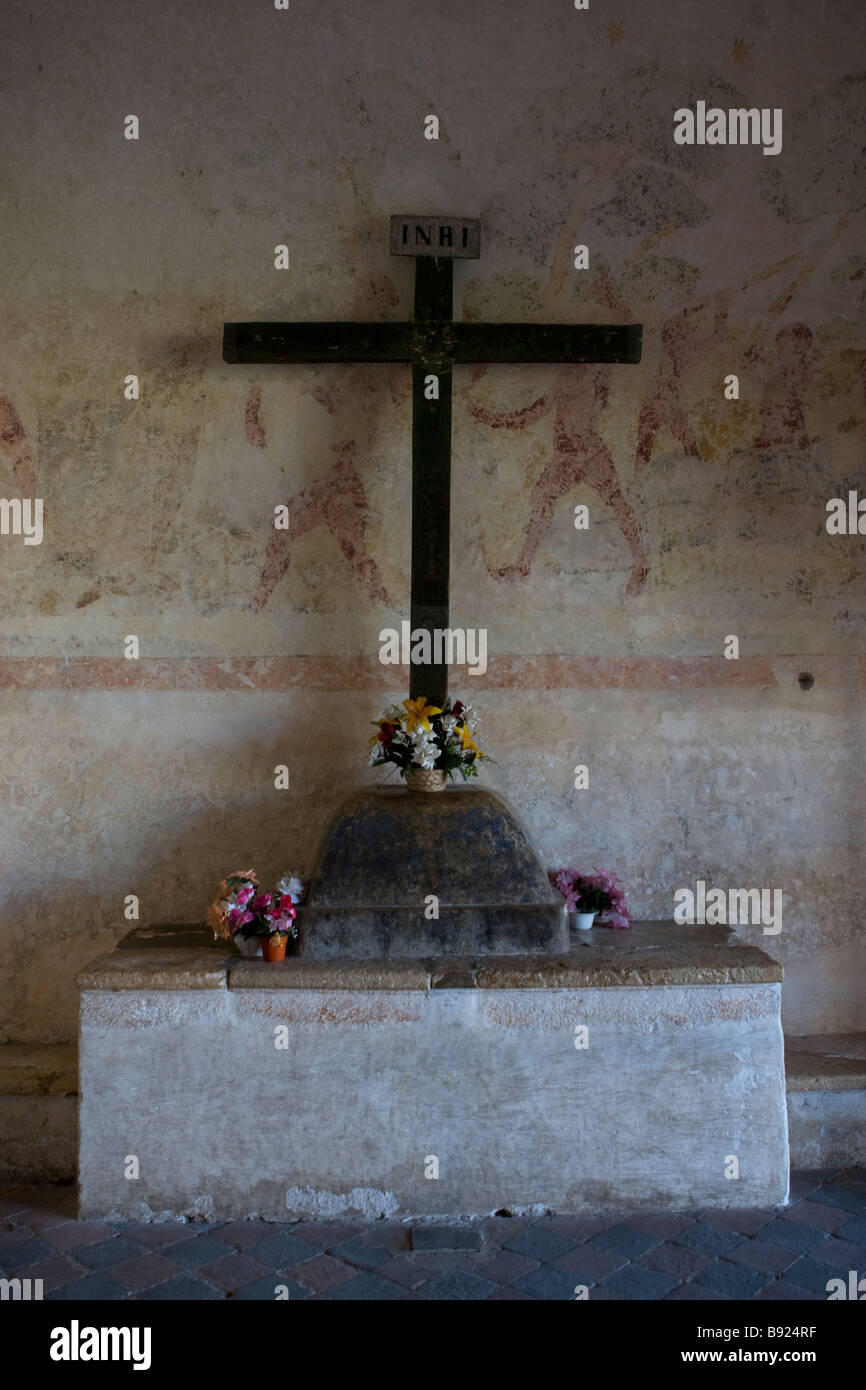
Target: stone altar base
[[388, 849], [389, 1064]]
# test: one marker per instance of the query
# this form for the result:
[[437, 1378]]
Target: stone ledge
[[338, 973], [171, 967], [832, 1062], [652, 954], [38, 1069]]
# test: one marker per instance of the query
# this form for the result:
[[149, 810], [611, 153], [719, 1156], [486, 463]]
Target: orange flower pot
[[274, 947]]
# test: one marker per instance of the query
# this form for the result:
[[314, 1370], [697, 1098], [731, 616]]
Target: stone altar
[[471, 1060]]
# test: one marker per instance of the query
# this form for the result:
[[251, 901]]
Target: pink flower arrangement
[[274, 912], [597, 892], [243, 909]]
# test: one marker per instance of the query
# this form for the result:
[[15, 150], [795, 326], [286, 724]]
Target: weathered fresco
[[259, 647]]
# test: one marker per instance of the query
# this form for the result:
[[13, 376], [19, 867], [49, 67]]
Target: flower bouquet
[[590, 894], [428, 744], [259, 923]]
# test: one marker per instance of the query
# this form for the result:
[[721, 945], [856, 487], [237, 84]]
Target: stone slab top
[[185, 956], [38, 1069], [168, 956], [826, 1062]]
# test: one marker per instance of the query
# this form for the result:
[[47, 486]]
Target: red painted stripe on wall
[[325, 673]]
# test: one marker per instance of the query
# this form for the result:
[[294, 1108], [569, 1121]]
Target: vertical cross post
[[431, 478]]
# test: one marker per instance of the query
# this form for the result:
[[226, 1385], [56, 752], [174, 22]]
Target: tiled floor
[[786, 1254]]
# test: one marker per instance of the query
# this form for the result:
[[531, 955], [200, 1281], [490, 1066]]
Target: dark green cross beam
[[432, 343]]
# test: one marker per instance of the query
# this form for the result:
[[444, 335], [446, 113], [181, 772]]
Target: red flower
[[386, 731]]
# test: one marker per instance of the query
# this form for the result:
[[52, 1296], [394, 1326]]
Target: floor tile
[[732, 1279], [540, 1243], [410, 1271], [324, 1235], [366, 1288], [232, 1272], [321, 1272], [577, 1228], [11, 1206], [156, 1234], [459, 1284], [743, 1222], [625, 1240], [846, 1198], [13, 1234], [712, 1240], [281, 1252], [242, 1234], [191, 1253], [662, 1225], [265, 1290], [816, 1215], [445, 1238], [695, 1293], [505, 1266], [144, 1271], [105, 1253], [45, 1221], [837, 1252], [55, 1271], [813, 1275], [587, 1264], [761, 1257], [71, 1234], [638, 1282], [785, 1290], [24, 1252], [357, 1252], [678, 1260], [99, 1287], [547, 1283], [792, 1236], [183, 1287], [800, 1186]]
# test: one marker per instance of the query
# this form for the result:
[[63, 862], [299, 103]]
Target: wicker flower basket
[[426, 779]]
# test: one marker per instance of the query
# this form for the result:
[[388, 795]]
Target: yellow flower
[[418, 713], [468, 742]]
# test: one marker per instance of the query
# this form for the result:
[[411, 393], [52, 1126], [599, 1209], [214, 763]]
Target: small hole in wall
[[806, 680]]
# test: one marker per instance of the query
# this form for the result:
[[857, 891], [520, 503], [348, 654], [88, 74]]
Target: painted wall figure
[[339, 502], [682, 343], [14, 446], [255, 430], [790, 362], [577, 397]]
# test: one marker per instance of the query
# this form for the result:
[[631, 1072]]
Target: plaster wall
[[305, 127]]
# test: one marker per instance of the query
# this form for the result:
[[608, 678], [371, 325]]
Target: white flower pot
[[584, 920], [249, 945]]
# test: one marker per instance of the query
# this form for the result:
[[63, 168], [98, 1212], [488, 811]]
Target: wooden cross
[[432, 343]]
